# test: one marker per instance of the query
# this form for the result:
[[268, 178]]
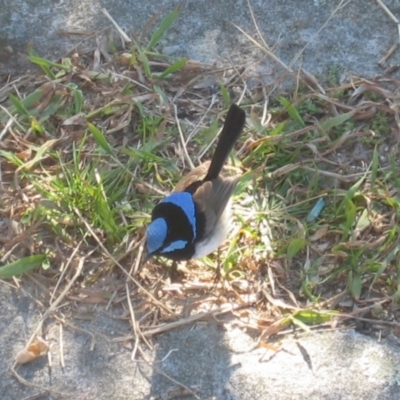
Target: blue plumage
[[177, 245], [156, 234], [157, 231], [185, 201], [192, 221]]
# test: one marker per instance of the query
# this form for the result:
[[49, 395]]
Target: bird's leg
[[173, 273], [217, 275]]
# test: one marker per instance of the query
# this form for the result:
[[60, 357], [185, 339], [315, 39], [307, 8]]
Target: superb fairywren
[[194, 219]]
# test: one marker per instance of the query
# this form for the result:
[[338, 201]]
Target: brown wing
[[195, 175], [212, 198]]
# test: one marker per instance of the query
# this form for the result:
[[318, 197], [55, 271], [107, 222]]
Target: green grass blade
[[100, 138], [374, 167], [78, 101], [176, 66], [350, 193], [22, 265], [161, 93], [312, 317], [291, 110], [33, 98], [19, 106], [350, 211], [225, 96], [336, 121], [44, 62], [295, 246], [144, 60], [165, 24], [355, 284], [11, 157]]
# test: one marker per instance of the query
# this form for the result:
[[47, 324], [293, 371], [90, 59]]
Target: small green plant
[[96, 150], [333, 75], [380, 124]]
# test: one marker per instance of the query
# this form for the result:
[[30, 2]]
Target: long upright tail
[[230, 133]]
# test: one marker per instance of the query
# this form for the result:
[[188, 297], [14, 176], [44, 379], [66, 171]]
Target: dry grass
[[89, 145]]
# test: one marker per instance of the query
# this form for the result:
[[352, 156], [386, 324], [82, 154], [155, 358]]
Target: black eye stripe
[[179, 227]]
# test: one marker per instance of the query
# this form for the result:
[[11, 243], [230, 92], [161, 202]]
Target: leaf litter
[[89, 144]]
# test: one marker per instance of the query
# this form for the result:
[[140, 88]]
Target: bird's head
[[158, 241]]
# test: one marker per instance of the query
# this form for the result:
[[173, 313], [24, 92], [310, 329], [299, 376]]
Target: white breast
[[218, 236]]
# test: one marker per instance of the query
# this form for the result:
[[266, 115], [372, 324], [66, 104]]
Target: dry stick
[[297, 56], [135, 267], [212, 102], [135, 325], [66, 268], [40, 325], [57, 301], [12, 117], [77, 328], [346, 178], [256, 25], [33, 385], [389, 13], [10, 86], [123, 35], [95, 237], [217, 135], [120, 164], [161, 372], [185, 152], [62, 347], [390, 52], [267, 51], [203, 116], [221, 310], [5, 130]]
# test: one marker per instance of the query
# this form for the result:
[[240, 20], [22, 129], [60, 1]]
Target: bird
[[194, 220]]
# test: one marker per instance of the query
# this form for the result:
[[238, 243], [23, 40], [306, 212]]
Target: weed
[[333, 75], [90, 153]]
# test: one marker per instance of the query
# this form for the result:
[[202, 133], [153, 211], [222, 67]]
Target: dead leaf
[[25, 155], [78, 119], [35, 350], [320, 233], [269, 346]]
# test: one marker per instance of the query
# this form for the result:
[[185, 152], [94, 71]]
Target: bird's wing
[[212, 198], [193, 176]]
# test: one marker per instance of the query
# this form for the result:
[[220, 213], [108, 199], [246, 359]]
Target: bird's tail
[[230, 133]]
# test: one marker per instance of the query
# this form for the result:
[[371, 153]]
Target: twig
[[136, 282], [77, 328], [173, 325], [390, 52], [339, 6], [161, 372], [183, 143], [39, 327], [61, 278], [265, 50], [61, 347], [55, 304], [123, 35], [135, 325]]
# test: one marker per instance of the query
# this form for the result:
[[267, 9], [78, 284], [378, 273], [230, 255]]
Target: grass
[[85, 155]]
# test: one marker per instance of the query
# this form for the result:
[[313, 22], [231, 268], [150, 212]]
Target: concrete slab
[[354, 39]]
